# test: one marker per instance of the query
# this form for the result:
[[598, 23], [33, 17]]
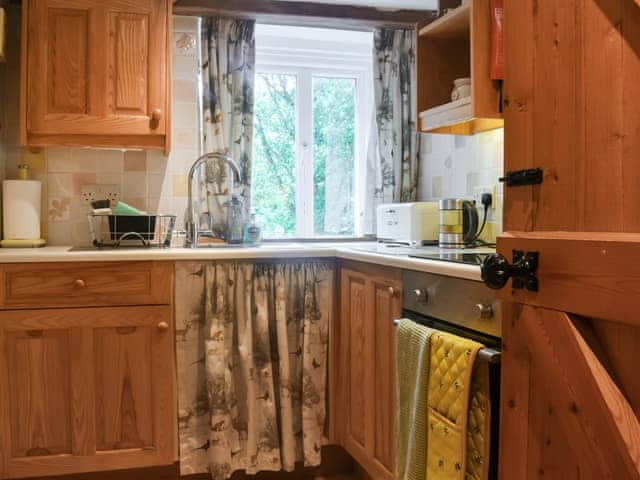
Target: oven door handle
[[489, 355]]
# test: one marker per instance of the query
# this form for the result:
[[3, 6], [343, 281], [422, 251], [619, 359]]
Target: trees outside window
[[309, 138]]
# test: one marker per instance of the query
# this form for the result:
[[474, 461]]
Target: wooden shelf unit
[[458, 45]]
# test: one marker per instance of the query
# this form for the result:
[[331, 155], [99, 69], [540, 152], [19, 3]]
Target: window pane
[[274, 160], [334, 123]]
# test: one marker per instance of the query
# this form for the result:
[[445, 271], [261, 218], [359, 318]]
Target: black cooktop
[[455, 257]]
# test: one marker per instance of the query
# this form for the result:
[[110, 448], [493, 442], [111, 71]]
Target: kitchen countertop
[[362, 252]]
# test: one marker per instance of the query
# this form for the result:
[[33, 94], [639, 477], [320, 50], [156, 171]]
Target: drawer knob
[[163, 326], [79, 283], [156, 116]]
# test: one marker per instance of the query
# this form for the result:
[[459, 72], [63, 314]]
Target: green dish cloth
[[124, 209], [413, 355]]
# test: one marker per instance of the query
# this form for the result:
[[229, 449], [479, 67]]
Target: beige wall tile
[[60, 185], [179, 185], [185, 23], [134, 184], [80, 179], [185, 90], [59, 233], [59, 209], [184, 137], [84, 160], [59, 160], [109, 161], [135, 161]]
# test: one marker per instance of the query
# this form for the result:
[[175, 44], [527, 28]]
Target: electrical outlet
[[91, 193], [479, 191]]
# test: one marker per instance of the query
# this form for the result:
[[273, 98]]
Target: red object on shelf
[[497, 40]]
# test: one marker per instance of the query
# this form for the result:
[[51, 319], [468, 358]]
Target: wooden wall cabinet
[[371, 298], [86, 389], [96, 73], [458, 45]]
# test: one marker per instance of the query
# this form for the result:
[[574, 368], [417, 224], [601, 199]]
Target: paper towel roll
[[21, 209]]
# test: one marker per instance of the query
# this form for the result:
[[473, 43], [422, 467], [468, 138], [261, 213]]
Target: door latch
[[496, 271], [521, 178]]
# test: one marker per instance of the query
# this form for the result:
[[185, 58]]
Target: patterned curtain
[[252, 364], [228, 77], [393, 148]]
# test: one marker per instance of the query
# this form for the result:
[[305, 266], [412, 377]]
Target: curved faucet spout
[[192, 224]]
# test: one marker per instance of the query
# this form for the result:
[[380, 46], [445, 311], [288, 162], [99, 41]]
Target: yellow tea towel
[[450, 386], [413, 357]]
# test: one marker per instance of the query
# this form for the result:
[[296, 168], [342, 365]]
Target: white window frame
[[305, 64]]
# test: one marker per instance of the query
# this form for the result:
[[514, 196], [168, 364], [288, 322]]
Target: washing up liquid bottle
[[252, 231], [235, 220]]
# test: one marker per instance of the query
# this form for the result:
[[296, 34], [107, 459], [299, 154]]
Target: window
[[313, 88]]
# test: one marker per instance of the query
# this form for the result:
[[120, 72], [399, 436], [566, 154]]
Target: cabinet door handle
[[163, 326], [392, 292], [156, 116], [79, 283]]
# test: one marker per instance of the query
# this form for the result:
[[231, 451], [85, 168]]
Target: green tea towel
[[413, 354]]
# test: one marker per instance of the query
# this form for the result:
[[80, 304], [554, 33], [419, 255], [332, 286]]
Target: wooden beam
[[304, 14], [596, 275]]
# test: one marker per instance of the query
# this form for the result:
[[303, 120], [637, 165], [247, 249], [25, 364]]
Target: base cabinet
[[370, 300], [85, 389]]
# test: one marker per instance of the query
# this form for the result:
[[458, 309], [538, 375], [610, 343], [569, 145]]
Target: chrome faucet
[[192, 224]]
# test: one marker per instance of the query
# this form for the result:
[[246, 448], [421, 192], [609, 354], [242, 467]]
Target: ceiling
[[384, 4]]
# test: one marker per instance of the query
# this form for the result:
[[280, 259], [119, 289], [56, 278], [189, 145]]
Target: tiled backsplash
[[455, 166], [148, 180]]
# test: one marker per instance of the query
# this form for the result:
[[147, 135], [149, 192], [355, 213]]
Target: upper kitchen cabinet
[[96, 73], [455, 46]]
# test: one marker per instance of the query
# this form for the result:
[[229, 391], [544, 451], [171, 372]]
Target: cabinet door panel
[[67, 43], [387, 307], [124, 397], [38, 368], [129, 64], [358, 354]]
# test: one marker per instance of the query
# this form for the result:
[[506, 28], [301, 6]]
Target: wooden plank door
[[84, 390], [96, 67], [570, 391]]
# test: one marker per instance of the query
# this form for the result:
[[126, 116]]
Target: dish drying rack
[[148, 231]]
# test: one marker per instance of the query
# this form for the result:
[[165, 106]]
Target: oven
[[468, 309]]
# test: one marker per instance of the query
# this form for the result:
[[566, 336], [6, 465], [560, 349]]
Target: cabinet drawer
[[87, 284]]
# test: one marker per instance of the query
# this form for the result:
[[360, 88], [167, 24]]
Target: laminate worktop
[[343, 250]]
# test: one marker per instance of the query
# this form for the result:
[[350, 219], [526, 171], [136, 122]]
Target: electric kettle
[[459, 222]]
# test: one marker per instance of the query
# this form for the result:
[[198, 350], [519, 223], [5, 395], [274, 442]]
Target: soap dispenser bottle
[[252, 231], [235, 220]]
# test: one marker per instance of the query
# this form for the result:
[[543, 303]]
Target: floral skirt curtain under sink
[[252, 341]]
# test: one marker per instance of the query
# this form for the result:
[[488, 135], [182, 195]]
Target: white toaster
[[413, 224]]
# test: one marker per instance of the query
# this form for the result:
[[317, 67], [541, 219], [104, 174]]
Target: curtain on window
[[252, 343], [228, 75], [393, 147]]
